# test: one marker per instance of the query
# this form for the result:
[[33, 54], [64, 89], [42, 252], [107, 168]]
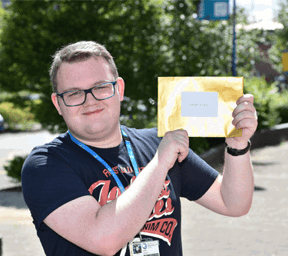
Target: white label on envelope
[[199, 104]]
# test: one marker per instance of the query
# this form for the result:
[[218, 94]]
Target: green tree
[[148, 38], [282, 17], [280, 42], [33, 30]]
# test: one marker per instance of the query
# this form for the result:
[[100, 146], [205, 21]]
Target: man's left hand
[[245, 118]]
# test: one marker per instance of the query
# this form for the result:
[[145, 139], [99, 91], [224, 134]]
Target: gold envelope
[[213, 98]]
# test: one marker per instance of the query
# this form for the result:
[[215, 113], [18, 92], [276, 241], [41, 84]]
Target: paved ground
[[16, 228], [262, 232]]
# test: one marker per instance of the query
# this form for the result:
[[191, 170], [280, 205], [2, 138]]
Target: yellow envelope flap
[[201, 105]]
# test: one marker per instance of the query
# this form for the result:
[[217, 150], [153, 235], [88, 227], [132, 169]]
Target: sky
[[260, 10]]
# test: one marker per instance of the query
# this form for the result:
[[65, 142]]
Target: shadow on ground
[[263, 163], [12, 197]]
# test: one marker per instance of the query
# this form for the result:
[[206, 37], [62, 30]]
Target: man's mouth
[[93, 112]]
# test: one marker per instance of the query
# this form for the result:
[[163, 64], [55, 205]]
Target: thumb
[[181, 156]]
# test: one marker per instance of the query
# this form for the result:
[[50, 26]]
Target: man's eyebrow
[[100, 82], [77, 88]]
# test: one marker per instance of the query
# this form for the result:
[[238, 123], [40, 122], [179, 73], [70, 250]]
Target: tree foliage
[[14, 166], [282, 17], [280, 42], [148, 38]]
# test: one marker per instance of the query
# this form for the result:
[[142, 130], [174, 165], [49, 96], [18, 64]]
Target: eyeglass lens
[[78, 97]]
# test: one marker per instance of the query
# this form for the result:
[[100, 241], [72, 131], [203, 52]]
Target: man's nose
[[90, 99]]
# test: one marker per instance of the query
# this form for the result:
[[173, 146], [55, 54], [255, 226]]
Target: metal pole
[[234, 73], [1, 246]]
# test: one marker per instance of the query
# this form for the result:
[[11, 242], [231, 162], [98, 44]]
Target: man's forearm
[[238, 183], [128, 213]]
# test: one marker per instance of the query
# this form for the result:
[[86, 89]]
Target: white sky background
[[259, 10]]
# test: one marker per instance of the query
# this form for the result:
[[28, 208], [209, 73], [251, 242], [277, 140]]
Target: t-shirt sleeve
[[48, 181], [196, 176]]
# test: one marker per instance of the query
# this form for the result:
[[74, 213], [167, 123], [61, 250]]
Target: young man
[[106, 189]]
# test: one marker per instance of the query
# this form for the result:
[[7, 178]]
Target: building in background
[[264, 66]]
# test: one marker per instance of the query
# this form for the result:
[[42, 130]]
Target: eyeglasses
[[78, 97]]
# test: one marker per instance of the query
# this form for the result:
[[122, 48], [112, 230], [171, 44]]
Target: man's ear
[[54, 99], [121, 87]]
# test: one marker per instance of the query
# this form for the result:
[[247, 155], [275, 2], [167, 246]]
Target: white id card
[[144, 248]]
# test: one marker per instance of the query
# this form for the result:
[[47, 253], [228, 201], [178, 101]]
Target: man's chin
[[95, 129]]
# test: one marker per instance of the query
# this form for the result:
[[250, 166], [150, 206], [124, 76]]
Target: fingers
[[182, 156], [245, 98], [242, 123], [244, 106], [180, 134], [245, 115], [244, 103], [179, 140], [184, 142], [174, 145]]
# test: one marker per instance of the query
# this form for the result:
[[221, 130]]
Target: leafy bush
[[283, 113], [14, 167], [281, 106], [15, 117], [265, 96]]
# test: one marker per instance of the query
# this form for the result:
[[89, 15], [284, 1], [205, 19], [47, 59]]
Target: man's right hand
[[174, 145]]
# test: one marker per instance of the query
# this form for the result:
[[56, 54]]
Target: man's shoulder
[[58, 142], [58, 146], [58, 153]]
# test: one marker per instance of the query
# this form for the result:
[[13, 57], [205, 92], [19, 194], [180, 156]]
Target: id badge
[[144, 248]]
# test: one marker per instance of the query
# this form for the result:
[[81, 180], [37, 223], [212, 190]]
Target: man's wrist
[[240, 150], [236, 144]]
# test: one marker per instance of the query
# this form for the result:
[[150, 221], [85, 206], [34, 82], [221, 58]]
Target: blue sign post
[[213, 10], [234, 72], [219, 10]]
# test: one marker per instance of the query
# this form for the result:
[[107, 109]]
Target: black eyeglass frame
[[86, 92]]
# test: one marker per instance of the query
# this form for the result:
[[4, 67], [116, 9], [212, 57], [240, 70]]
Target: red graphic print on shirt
[[158, 224]]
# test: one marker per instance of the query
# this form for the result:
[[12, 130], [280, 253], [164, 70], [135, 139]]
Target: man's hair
[[76, 52]]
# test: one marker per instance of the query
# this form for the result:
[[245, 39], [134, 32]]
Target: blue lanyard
[[95, 155]]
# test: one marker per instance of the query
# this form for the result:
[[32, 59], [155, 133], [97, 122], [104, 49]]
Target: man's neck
[[108, 141]]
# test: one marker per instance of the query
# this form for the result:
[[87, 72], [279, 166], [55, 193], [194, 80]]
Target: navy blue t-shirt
[[61, 171]]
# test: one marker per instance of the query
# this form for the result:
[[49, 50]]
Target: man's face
[[94, 118]]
